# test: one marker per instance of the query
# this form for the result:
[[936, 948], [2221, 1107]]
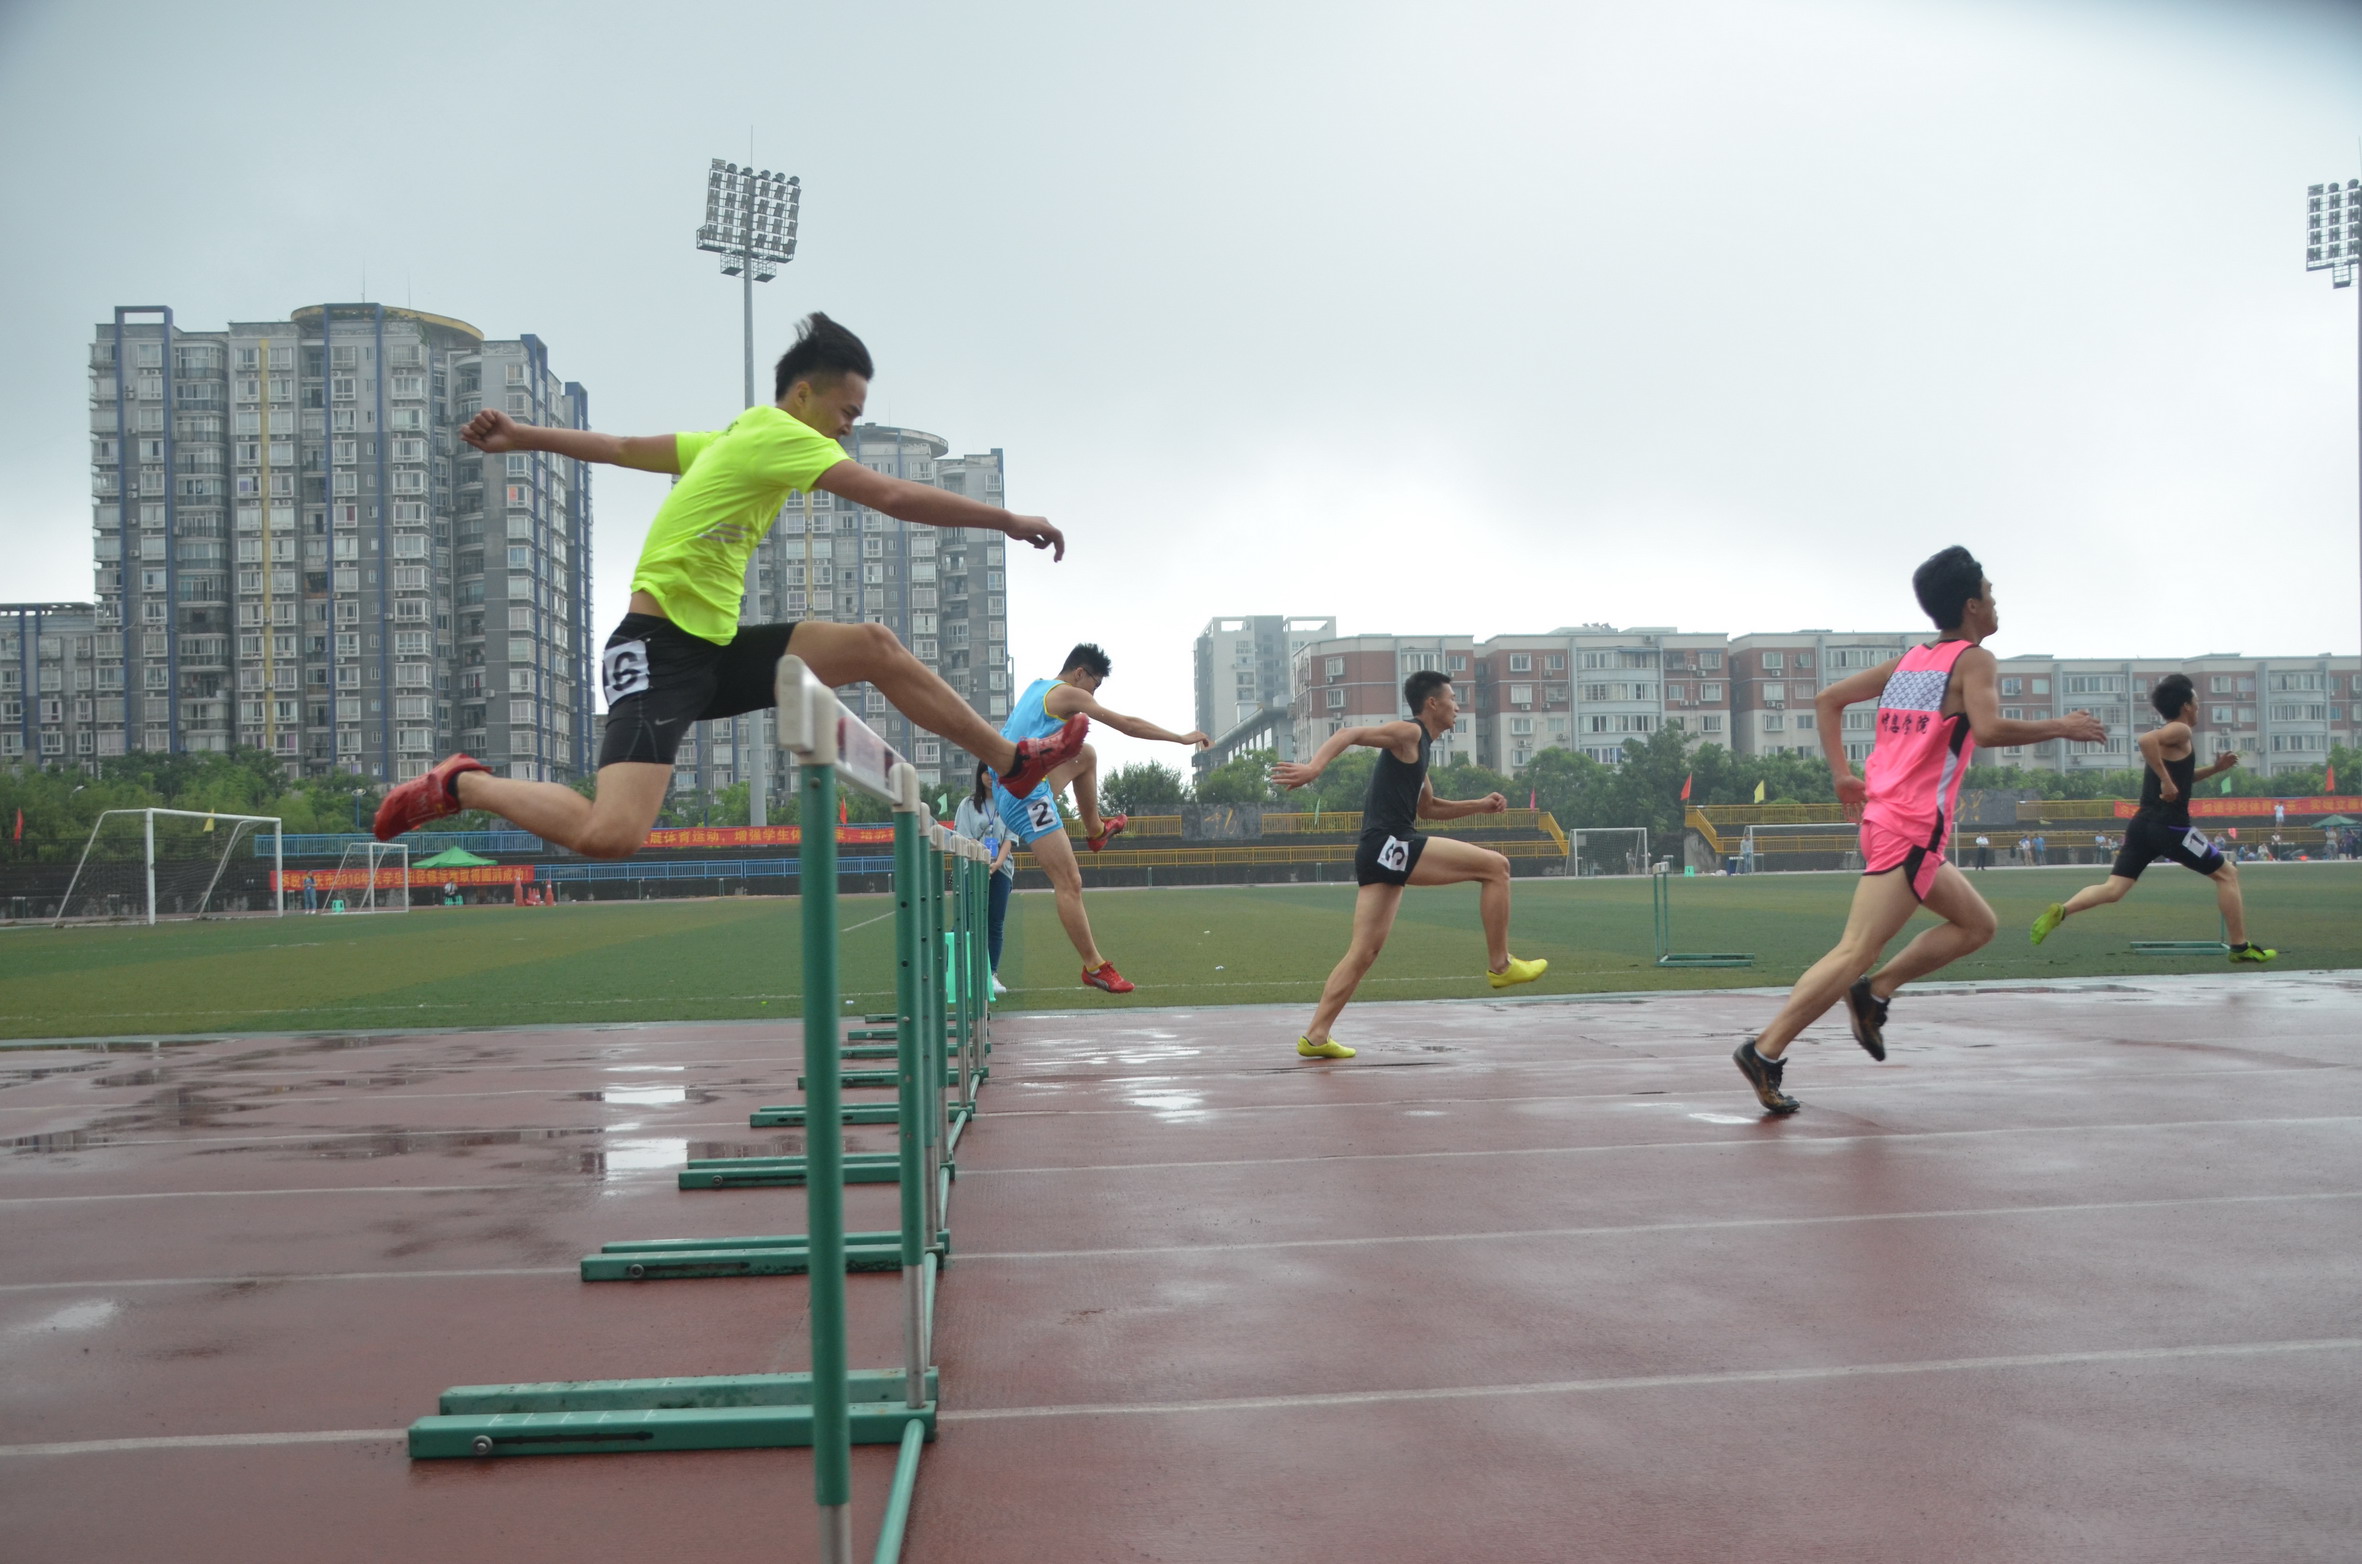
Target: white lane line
[[315, 1276], [1637, 1229], [644, 1127], [1563, 1387], [968, 1172], [1949, 1082], [337, 1436], [347, 1189]]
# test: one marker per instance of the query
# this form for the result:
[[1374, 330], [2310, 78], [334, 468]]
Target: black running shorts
[[2147, 840], [658, 678], [1385, 859]]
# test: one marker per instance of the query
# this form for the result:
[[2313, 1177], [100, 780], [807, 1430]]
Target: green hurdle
[[2218, 946], [940, 1021], [1661, 899]]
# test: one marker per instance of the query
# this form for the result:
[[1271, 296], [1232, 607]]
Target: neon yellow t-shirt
[[733, 482]]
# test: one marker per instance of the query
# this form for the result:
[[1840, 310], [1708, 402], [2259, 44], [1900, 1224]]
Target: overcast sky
[[1718, 314]]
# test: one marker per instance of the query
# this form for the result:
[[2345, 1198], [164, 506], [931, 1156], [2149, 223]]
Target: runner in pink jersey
[[1936, 703]]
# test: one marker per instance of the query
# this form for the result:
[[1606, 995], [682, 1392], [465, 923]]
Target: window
[[1521, 725], [1522, 662], [1521, 694], [1775, 694], [2095, 684], [1804, 722], [1677, 692], [1710, 661], [1710, 692], [1335, 667], [2289, 683], [1455, 663], [1555, 662], [2013, 686], [1336, 700], [1773, 722], [1774, 662]]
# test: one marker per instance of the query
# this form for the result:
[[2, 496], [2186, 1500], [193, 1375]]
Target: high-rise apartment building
[[1244, 677], [944, 591], [294, 551], [54, 684], [1593, 688]]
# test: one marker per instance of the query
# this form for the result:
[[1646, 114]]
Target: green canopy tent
[[454, 858]]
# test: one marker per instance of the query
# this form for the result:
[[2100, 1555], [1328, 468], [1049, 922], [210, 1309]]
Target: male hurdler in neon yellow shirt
[[680, 654]]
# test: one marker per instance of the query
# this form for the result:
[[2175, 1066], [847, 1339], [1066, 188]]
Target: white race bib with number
[[2195, 840], [1041, 812], [1395, 855], [624, 670]]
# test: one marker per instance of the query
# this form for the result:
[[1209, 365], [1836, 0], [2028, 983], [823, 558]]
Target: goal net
[[1619, 849], [370, 877], [175, 863]]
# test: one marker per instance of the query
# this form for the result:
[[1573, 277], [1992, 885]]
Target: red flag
[[20, 822], [1685, 781], [842, 815], [1533, 798], [2328, 785]]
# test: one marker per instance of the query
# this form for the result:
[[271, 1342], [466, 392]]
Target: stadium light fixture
[[2333, 243], [750, 222]]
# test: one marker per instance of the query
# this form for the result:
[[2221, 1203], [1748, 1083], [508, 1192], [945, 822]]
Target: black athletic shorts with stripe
[[1383, 858], [658, 678], [2148, 839]]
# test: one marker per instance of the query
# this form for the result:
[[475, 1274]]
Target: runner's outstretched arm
[[1433, 808], [932, 507], [1066, 701], [494, 432], [1980, 697], [1396, 736]]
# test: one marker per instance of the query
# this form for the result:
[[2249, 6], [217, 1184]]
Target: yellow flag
[[1759, 792], [208, 819]]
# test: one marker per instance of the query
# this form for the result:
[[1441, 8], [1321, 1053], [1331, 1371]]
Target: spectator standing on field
[[1984, 852]]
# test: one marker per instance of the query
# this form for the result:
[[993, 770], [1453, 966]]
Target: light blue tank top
[[1029, 718]]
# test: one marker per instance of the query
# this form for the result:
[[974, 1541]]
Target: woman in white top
[[979, 820]]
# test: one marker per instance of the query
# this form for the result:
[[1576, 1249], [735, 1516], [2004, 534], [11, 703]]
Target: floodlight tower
[[2333, 243], [750, 222]]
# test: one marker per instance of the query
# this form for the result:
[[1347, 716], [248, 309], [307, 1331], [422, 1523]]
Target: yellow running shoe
[[1519, 972], [1327, 1048], [2049, 918]]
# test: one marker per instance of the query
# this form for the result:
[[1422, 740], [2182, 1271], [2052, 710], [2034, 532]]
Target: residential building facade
[[60, 683], [293, 550], [1245, 671]]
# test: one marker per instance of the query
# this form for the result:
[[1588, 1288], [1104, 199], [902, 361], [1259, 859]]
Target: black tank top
[[1393, 804], [2153, 802]]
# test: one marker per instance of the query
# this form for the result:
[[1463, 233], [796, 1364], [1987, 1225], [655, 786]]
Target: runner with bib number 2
[[1031, 814], [1394, 854]]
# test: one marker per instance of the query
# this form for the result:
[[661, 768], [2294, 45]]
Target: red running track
[[2072, 1277]]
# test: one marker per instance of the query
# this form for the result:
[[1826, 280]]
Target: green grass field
[[735, 959]]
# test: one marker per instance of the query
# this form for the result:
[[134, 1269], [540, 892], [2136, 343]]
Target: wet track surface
[[2071, 1277]]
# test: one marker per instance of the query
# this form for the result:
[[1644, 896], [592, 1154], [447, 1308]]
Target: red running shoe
[[1105, 977], [1109, 829], [1037, 758], [424, 798]]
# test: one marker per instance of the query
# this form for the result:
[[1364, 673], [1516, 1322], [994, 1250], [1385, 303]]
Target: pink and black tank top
[[1921, 756]]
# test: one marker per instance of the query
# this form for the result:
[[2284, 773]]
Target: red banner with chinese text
[[420, 879], [2255, 808]]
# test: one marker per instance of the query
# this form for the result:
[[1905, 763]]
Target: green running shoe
[[2052, 916], [2254, 953]]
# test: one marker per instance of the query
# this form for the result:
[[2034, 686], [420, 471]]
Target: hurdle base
[[2180, 947], [785, 1256], [791, 1115], [620, 1416], [861, 1167], [853, 1078], [1707, 958]]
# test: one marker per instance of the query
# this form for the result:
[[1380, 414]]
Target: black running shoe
[[1868, 1014], [1764, 1075]]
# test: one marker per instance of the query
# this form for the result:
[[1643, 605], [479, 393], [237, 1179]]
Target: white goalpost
[[373, 877], [174, 863], [1621, 849]]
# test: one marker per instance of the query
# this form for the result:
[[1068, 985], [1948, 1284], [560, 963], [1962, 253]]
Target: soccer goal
[[175, 863], [372, 877], [1619, 849]]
